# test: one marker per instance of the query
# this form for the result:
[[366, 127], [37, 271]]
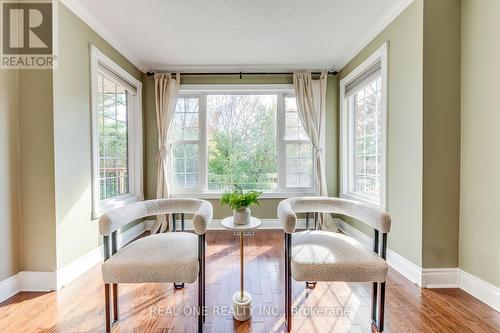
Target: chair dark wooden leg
[[107, 307], [375, 284], [177, 285], [115, 303], [201, 282], [203, 275], [378, 299], [285, 277], [381, 307], [288, 291], [374, 302], [381, 304]]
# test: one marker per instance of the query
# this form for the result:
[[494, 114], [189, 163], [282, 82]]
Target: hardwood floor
[[148, 307]]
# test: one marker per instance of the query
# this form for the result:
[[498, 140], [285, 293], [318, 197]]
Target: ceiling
[[238, 34]]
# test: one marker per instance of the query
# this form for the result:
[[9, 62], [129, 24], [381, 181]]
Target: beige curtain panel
[[166, 89], [311, 104]]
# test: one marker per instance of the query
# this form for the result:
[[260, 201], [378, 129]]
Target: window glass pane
[[293, 125], [290, 103], [113, 137], [186, 124], [299, 161], [185, 165], [242, 142], [364, 105]]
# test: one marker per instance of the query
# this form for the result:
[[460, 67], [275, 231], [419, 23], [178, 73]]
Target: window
[[363, 96], [298, 149], [116, 135], [251, 136]]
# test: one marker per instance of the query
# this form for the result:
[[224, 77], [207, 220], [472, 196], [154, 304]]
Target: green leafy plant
[[237, 199]]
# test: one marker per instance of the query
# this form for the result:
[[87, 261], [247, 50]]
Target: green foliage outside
[[113, 141], [242, 142]]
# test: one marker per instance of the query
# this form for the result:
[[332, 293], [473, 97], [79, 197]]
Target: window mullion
[[281, 143], [203, 160]]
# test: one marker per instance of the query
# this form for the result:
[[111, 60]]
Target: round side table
[[242, 300]]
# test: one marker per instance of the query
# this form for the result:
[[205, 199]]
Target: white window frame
[[346, 135], [134, 137], [200, 91]]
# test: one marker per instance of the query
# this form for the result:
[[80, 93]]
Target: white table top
[[228, 224]]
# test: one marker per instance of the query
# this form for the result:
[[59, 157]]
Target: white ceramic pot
[[241, 216]]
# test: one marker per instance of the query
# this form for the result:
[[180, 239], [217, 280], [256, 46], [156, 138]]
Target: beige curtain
[[311, 104], [166, 89]]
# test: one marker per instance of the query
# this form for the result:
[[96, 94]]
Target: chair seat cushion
[[328, 256], [159, 258]]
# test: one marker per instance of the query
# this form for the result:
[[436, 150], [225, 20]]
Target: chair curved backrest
[[287, 209], [119, 217]]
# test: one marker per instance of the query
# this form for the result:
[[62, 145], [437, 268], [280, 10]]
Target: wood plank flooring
[[150, 307]]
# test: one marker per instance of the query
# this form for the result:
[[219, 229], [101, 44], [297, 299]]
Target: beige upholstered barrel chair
[[159, 258], [317, 255]]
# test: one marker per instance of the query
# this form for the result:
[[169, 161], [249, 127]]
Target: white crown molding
[[80, 10], [389, 16]]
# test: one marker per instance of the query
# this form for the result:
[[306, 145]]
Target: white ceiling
[[238, 34]]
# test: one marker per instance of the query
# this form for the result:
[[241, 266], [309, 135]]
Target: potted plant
[[240, 202]]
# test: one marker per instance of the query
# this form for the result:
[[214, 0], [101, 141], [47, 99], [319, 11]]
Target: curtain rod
[[246, 73]]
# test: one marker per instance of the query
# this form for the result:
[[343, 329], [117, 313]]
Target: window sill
[[265, 195], [363, 199], [114, 203]]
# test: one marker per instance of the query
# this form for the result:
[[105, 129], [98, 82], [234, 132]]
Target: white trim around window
[[347, 129], [134, 134], [200, 92]]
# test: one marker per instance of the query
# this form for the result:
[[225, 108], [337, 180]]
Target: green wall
[[72, 135], [423, 168], [36, 161], [267, 209], [404, 113], [9, 175], [480, 125], [441, 105]]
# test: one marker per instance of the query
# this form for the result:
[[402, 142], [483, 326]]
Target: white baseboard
[[405, 267], [9, 287], [480, 289], [432, 277], [27, 281], [440, 278], [79, 266], [427, 278], [47, 281], [38, 281]]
